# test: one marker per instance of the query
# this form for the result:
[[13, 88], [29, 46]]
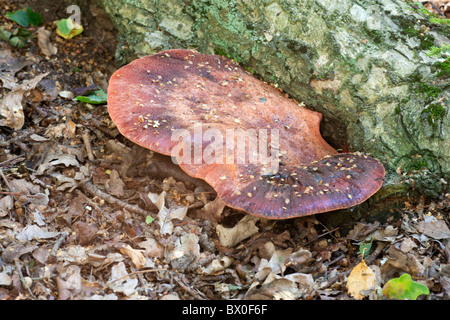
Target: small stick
[[94, 191], [381, 245], [196, 294], [16, 139], [12, 159], [25, 285], [110, 132], [87, 144], [6, 180], [58, 243], [319, 236]]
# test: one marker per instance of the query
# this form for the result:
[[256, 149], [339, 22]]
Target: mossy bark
[[363, 64]]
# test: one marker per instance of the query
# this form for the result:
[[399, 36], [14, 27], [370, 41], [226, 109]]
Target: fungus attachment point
[[260, 151]]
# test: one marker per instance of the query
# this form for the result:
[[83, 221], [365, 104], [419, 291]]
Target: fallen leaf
[[15, 251], [6, 204], [25, 17], [361, 280], [406, 245], [41, 254], [278, 260], [166, 215], [97, 97], [35, 232], [116, 184], [244, 229], [9, 65], [44, 43], [404, 288], [86, 232], [53, 159], [152, 248], [67, 29], [218, 265], [434, 228], [11, 109], [400, 261], [136, 256], [119, 282], [186, 251], [5, 280], [73, 254]]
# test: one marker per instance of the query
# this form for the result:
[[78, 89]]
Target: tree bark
[[362, 64]]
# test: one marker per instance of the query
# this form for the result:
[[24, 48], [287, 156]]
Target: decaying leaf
[[9, 66], [11, 109], [152, 248], [6, 204], [119, 282], [434, 228], [166, 215], [44, 43], [35, 232], [15, 251], [185, 251], [218, 264], [73, 254], [136, 256], [86, 232], [244, 229], [116, 184], [5, 279], [361, 280]]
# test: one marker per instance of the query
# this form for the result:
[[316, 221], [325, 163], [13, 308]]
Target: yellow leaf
[[360, 280]]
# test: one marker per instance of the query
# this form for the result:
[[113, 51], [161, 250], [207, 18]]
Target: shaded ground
[[83, 215]]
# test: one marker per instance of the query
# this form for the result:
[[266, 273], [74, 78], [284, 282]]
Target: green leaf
[[18, 38], [97, 97], [67, 29], [25, 17], [364, 248], [404, 288], [149, 219]]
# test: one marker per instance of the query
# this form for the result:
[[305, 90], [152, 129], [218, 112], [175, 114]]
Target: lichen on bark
[[363, 64]]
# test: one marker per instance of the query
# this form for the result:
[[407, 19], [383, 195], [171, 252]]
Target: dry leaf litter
[[81, 217]]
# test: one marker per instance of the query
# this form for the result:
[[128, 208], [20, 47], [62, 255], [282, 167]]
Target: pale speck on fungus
[[215, 91]]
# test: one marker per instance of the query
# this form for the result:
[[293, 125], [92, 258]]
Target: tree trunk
[[363, 64]]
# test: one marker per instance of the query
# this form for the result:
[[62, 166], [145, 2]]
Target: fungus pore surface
[[261, 151]]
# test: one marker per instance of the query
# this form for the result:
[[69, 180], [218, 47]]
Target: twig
[[196, 294], [16, 139], [319, 236], [22, 279], [58, 243], [7, 183], [12, 159], [110, 132], [94, 191], [381, 245], [87, 144]]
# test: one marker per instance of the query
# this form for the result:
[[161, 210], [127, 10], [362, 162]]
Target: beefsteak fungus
[[261, 151]]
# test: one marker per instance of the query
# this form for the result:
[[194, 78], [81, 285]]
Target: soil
[[85, 215]]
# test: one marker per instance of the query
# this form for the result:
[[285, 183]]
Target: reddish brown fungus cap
[[153, 99]]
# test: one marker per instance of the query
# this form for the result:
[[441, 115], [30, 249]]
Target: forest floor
[[78, 218]]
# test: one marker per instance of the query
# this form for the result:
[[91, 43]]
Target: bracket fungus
[[260, 151]]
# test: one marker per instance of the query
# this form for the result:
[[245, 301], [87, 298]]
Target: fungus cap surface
[[221, 120]]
